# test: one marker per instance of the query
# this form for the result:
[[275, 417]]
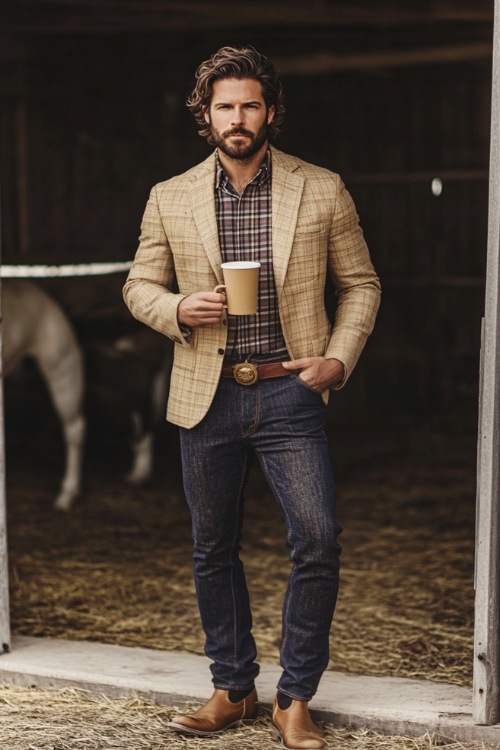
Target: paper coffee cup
[[241, 282]]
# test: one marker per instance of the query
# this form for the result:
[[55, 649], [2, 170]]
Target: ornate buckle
[[245, 373]]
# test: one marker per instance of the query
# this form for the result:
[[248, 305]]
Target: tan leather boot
[[216, 715], [296, 727]]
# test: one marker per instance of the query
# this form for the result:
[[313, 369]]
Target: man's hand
[[319, 373], [201, 309]]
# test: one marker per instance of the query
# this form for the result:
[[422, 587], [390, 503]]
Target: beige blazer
[[314, 228]]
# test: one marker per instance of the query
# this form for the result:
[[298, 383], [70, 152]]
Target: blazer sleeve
[[149, 290], [356, 284]]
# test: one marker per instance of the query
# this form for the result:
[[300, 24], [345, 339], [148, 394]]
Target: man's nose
[[237, 118]]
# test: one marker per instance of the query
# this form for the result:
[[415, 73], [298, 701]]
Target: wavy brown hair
[[236, 62]]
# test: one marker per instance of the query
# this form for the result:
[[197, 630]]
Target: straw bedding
[[118, 570], [69, 719]]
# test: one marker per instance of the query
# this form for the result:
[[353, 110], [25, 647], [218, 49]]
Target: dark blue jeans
[[281, 421]]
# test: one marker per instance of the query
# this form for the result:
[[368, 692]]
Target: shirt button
[[220, 351]]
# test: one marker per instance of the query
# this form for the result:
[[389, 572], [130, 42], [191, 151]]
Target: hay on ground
[[69, 719], [118, 569]]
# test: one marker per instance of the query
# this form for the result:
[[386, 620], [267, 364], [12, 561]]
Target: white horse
[[36, 326]]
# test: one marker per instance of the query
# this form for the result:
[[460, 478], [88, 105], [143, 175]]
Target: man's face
[[238, 117]]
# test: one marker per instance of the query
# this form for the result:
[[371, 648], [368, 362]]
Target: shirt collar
[[262, 176]]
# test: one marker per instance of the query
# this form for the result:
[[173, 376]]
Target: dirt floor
[[118, 568]]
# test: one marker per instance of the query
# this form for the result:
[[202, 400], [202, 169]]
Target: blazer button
[[220, 351]]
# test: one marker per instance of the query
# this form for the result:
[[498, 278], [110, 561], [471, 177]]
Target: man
[[249, 201]]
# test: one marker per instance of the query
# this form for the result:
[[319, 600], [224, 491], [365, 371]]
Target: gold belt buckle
[[245, 373]]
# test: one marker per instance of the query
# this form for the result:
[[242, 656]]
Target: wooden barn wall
[[89, 126]]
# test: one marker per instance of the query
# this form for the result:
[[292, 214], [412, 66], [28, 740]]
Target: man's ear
[[206, 115], [270, 114]]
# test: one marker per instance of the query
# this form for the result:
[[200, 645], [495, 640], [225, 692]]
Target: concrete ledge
[[388, 705]]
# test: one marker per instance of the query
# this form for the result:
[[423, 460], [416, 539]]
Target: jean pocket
[[303, 383]]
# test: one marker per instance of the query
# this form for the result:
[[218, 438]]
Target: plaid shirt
[[244, 223]]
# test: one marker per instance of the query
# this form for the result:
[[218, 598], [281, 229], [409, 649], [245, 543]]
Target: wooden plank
[[433, 281], [22, 176], [450, 10], [176, 15], [328, 62], [182, 15], [486, 691], [404, 178], [4, 570]]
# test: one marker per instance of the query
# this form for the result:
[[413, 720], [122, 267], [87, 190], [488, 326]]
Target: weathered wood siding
[[486, 688]]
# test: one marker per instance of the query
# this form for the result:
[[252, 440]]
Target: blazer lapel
[[202, 198], [287, 191]]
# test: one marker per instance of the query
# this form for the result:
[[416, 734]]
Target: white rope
[[74, 269]]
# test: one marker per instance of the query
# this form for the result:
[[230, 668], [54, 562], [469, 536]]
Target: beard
[[241, 150]]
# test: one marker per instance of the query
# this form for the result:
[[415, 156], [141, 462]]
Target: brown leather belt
[[245, 373]]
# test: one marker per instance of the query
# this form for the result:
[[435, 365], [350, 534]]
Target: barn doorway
[[434, 369]]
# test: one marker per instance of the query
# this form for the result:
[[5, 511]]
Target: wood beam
[[450, 10], [486, 683], [4, 568], [113, 16], [415, 178], [329, 62]]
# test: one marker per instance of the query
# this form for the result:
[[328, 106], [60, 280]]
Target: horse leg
[[64, 377], [144, 424], [74, 434], [142, 452]]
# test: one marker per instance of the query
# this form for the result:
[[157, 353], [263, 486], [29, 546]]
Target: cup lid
[[241, 264]]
